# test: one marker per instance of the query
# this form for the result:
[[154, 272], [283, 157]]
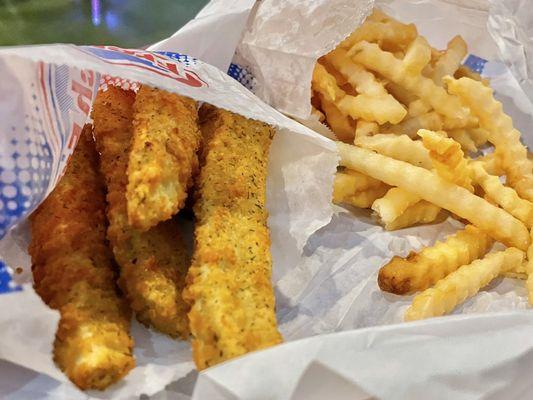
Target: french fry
[[501, 132], [464, 72], [430, 187], [422, 212], [462, 284], [448, 63], [372, 105], [384, 30], [504, 196], [479, 136], [373, 58], [364, 128], [463, 138], [417, 56], [410, 126], [417, 108], [400, 93], [356, 189], [395, 202], [400, 148], [420, 270], [492, 164], [342, 125], [447, 157]]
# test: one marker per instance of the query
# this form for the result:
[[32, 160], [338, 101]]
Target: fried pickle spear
[[462, 284], [73, 273], [229, 283], [418, 271], [152, 264], [163, 157]]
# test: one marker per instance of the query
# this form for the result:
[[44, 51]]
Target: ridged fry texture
[[356, 189], [163, 157], [462, 284], [422, 212], [73, 272], [229, 283], [153, 263], [418, 271]]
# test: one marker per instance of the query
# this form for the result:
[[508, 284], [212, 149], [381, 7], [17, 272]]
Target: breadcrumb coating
[[229, 283], [73, 272], [152, 264], [163, 156]]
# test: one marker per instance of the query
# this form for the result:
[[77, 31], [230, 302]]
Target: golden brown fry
[[391, 206], [461, 284], [228, 285], [450, 61], [418, 271], [447, 157], [421, 212], [430, 187], [152, 264], [73, 272], [163, 157], [342, 126], [463, 138], [500, 130], [356, 189]]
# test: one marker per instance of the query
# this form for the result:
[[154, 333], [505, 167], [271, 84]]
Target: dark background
[[125, 23]]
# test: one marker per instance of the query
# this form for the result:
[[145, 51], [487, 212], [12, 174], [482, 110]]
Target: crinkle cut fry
[[372, 57], [529, 272], [421, 212], [420, 270], [73, 272], [163, 156], [462, 284], [430, 187], [153, 264], [229, 283], [501, 132]]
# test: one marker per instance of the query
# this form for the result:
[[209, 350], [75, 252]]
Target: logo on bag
[[151, 61]]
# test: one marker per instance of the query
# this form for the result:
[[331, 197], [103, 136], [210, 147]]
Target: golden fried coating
[[418, 271], [152, 264], [163, 157], [229, 283], [73, 272]]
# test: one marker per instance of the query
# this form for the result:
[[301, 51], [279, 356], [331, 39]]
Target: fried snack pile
[[228, 284], [73, 273], [419, 122], [153, 263], [163, 156]]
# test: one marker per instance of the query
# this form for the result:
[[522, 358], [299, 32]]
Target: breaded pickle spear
[[163, 156], [73, 272], [152, 264], [229, 283]]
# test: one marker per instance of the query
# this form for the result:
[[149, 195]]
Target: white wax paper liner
[[46, 95]]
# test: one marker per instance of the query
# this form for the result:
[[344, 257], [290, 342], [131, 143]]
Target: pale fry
[[229, 283], [417, 56], [410, 126], [422, 212], [163, 157], [373, 58], [356, 189], [342, 126], [153, 263], [391, 206], [401, 148], [420, 270], [463, 138], [417, 108], [462, 284], [504, 196], [430, 187], [501, 132], [447, 157], [73, 272], [364, 128], [384, 30], [364, 198], [448, 63]]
